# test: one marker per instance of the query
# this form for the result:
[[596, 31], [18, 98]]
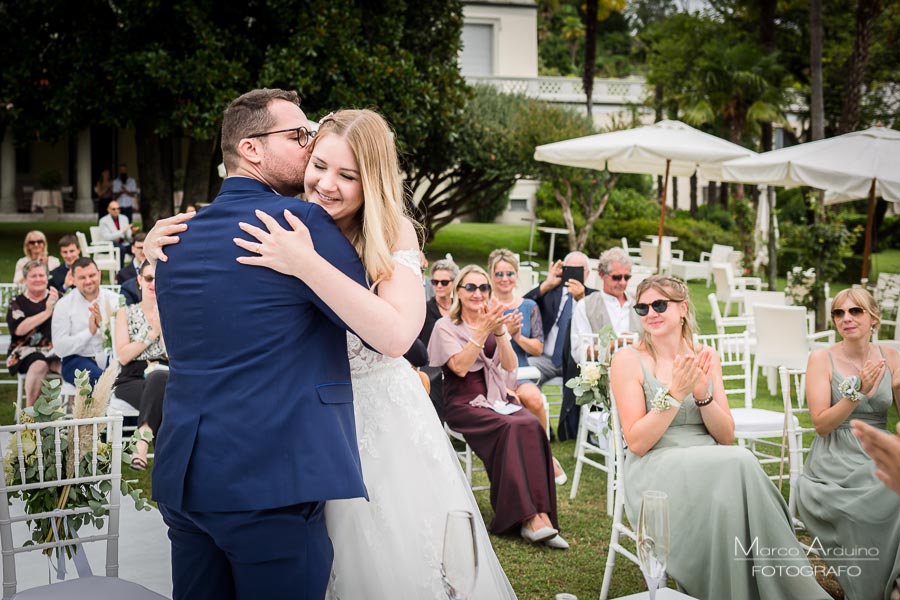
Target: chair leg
[[579, 453], [610, 476], [613, 543]]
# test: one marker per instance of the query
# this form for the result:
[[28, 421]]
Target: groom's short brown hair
[[249, 114]]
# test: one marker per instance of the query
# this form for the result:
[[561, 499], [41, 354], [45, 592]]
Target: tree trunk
[[694, 195], [155, 169], [196, 172], [867, 12], [723, 194], [590, 53], [215, 181], [658, 110], [712, 192], [674, 193], [816, 100]]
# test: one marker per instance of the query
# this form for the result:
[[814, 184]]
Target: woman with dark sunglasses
[[679, 430], [840, 500], [474, 347], [34, 248]]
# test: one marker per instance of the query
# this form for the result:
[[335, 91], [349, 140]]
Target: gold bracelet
[[476, 343]]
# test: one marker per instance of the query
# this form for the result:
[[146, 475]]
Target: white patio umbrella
[[850, 166], [664, 148]]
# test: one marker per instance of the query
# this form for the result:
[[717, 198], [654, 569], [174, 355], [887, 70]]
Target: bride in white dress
[[389, 547]]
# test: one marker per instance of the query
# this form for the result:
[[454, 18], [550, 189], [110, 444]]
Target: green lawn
[[537, 573]]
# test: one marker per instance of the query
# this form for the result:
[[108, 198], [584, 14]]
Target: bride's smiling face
[[333, 181]]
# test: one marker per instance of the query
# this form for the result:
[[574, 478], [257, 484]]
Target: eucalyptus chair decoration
[[67, 472]]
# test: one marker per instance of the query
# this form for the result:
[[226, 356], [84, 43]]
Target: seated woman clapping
[[474, 348], [839, 498], [141, 351], [678, 427], [29, 318]]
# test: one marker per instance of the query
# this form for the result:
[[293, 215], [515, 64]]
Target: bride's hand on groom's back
[[287, 251], [164, 233]]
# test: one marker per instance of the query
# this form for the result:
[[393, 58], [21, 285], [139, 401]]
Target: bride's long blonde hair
[[376, 226]]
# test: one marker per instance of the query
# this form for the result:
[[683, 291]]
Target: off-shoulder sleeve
[[446, 341]]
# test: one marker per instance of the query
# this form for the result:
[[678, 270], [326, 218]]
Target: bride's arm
[[388, 321]]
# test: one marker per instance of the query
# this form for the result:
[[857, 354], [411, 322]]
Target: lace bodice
[[363, 359]]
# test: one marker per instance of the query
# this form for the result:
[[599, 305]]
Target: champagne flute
[[460, 562], [653, 538]]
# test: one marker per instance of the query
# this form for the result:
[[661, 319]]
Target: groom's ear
[[248, 149]]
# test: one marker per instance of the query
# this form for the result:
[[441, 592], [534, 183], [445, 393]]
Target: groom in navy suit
[[258, 426]]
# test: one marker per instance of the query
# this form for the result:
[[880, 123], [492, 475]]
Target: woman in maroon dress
[[474, 349]]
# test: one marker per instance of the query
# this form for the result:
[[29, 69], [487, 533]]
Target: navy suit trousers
[[275, 554]]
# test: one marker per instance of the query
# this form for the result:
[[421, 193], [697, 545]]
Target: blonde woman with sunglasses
[[34, 248], [840, 499], [679, 430]]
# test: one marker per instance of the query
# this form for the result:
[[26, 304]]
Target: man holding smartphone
[[556, 298]]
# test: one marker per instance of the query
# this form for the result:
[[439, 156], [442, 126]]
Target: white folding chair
[[59, 433], [594, 422], [723, 324], [730, 289], [782, 340], [465, 456], [793, 395]]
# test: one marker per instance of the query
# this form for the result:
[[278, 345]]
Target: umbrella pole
[[870, 220], [662, 217]]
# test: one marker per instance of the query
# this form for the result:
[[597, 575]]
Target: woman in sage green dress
[[730, 535], [854, 518]]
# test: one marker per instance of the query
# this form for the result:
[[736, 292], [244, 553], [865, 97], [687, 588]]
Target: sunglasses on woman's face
[[35, 242], [484, 288], [501, 274], [440, 282], [659, 307], [855, 311]]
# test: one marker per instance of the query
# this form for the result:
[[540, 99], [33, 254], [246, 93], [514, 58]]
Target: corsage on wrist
[[663, 401], [849, 389]]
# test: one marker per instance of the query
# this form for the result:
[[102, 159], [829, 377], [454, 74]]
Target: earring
[[683, 321]]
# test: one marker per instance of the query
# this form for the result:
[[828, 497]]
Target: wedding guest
[[528, 334], [839, 498], [61, 276], [474, 347], [34, 248], [28, 319], [125, 192], [79, 321], [443, 272], [104, 190], [115, 227], [130, 270], [141, 351], [612, 307], [678, 429]]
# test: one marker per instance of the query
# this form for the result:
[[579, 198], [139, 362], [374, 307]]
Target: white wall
[[514, 47]]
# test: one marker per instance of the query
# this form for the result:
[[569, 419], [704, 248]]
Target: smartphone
[[576, 273]]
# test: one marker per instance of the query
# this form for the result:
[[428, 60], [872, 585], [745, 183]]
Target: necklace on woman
[[858, 368], [442, 307]]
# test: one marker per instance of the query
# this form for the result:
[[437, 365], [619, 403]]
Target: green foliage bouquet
[[92, 495], [591, 385]]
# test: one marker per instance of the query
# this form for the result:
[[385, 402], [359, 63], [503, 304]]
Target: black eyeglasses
[[620, 277], [659, 307], [500, 274], [35, 242], [440, 282], [303, 134], [484, 288], [855, 311]]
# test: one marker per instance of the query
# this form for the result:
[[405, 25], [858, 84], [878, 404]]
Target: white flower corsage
[[849, 388], [663, 401]]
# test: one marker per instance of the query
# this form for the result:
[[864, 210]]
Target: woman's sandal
[[138, 464]]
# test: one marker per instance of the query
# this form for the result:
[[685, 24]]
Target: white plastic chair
[[106, 255], [723, 324], [754, 297], [730, 289], [782, 340], [85, 587], [634, 253], [527, 280], [593, 422], [718, 254], [648, 255], [755, 427], [465, 456], [793, 395]]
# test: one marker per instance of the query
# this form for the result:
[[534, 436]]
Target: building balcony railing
[[570, 90]]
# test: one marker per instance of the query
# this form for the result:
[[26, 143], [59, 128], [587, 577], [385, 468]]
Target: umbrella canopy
[[659, 149], [850, 166]]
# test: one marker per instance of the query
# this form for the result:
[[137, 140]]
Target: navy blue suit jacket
[[258, 411]]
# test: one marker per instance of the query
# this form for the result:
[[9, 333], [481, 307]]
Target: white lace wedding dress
[[390, 547]]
